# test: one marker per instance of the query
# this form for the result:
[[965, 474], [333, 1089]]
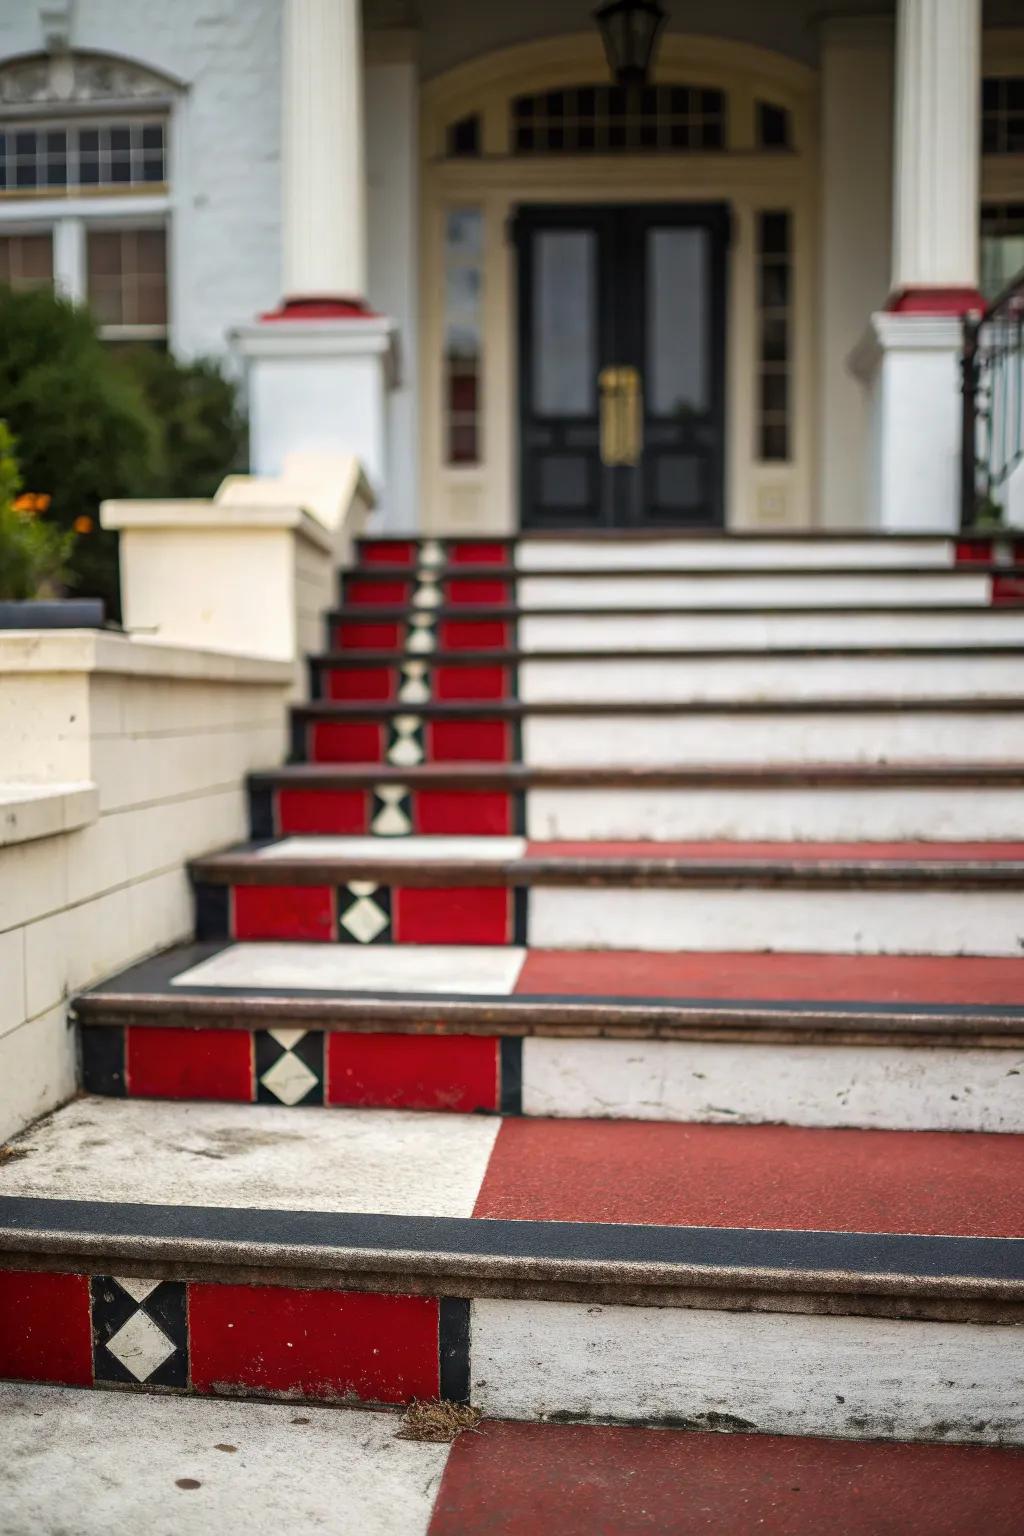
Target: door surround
[[483, 496]]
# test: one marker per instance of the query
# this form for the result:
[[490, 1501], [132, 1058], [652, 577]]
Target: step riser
[[681, 680], [636, 679], [643, 554], [800, 814], [777, 1373], [807, 812], [228, 1340], [845, 630], [426, 590], [608, 741], [747, 918], [870, 1088], [855, 1378]]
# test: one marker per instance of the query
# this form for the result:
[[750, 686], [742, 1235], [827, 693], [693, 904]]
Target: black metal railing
[[992, 438]]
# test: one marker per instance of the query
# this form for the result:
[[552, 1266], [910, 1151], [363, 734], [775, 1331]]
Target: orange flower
[[83, 525], [31, 502]]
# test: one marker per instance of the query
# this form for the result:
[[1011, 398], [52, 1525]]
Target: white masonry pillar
[[321, 364], [322, 171], [910, 358]]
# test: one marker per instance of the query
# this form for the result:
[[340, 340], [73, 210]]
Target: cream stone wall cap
[[86, 650], [29, 811], [273, 514], [326, 485]]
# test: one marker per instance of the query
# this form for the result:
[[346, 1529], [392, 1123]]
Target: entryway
[[622, 364]]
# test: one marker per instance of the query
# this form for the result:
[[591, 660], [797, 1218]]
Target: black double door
[[621, 365]]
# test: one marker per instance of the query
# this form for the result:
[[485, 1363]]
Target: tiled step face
[[386, 810], [106, 1330], [811, 811], [404, 738], [874, 1087], [447, 1074], [423, 633], [843, 630], [447, 587]]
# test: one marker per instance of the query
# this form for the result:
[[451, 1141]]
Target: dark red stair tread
[[969, 980], [738, 852], [762, 1176], [511, 1479]]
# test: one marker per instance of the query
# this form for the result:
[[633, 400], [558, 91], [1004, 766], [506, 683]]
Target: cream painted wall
[[856, 234], [165, 738]]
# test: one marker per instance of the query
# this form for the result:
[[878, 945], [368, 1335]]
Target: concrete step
[[484, 631], [862, 898], [184, 1468], [914, 1043], [789, 802], [626, 550], [673, 677], [788, 586], [535, 1268], [632, 735]]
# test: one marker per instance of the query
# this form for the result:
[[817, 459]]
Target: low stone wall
[[120, 759]]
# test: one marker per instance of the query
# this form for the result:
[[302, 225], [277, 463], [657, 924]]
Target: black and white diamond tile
[[289, 1066], [364, 913], [392, 811], [139, 1331], [422, 634], [415, 685], [405, 741]]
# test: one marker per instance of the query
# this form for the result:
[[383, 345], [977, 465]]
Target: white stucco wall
[[224, 254]]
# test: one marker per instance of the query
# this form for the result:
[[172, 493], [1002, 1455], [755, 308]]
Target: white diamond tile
[[287, 1038], [364, 920], [464, 970], [138, 1290], [141, 1346], [391, 820], [289, 1079]]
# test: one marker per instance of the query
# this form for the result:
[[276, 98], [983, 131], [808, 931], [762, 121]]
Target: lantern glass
[[629, 30]]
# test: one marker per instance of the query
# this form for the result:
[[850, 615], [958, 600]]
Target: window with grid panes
[[615, 119], [26, 261], [127, 285], [775, 335], [85, 155], [1002, 115]]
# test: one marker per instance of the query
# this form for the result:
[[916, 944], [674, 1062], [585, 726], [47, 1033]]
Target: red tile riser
[[418, 914], [444, 741], [341, 812], [274, 1341], [470, 684]]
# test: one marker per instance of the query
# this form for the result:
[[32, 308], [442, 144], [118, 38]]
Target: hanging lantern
[[630, 30]]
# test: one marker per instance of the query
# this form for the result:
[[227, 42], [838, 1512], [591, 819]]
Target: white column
[[70, 277], [935, 212], [324, 213]]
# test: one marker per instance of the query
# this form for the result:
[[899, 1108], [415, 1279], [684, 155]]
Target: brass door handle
[[622, 416]]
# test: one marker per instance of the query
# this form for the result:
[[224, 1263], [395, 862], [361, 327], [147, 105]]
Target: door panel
[[621, 333]]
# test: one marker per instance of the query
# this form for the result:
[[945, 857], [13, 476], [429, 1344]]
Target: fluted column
[[323, 173], [935, 212]]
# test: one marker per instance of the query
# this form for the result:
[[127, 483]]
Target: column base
[[910, 366], [318, 383], [321, 309]]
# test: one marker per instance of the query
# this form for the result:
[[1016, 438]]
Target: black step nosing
[[503, 709], [495, 572], [516, 778], [358, 660], [216, 1234], [508, 612]]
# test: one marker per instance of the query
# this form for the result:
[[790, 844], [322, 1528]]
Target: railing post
[[969, 420]]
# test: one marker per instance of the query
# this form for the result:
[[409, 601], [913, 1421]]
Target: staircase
[[618, 1013]]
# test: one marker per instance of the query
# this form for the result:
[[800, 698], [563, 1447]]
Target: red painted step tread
[[515, 1479], [966, 979], [771, 1177], [803, 852]]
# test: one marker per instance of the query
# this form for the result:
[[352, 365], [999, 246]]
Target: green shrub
[[34, 554], [92, 423], [203, 430]]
